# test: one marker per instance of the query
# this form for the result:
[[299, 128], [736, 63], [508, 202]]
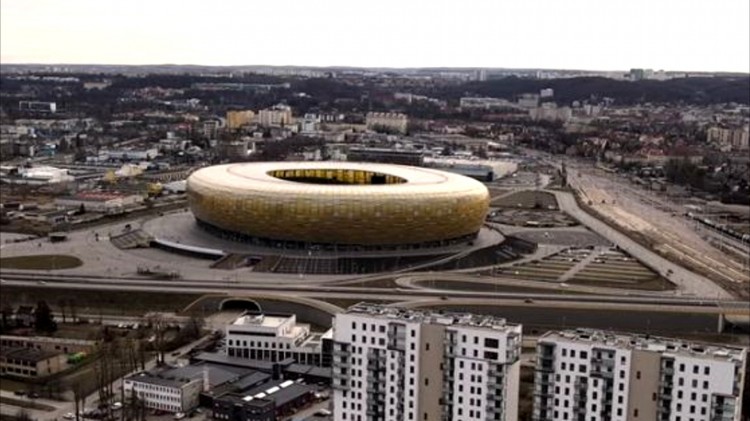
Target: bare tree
[[78, 398], [73, 309], [159, 328], [61, 304]]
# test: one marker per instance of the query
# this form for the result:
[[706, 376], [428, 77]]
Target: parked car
[[179, 415]]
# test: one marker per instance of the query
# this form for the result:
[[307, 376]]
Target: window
[[706, 370], [354, 325], [491, 343], [564, 352], [584, 354], [695, 369], [682, 367], [635, 413], [638, 375], [705, 384]]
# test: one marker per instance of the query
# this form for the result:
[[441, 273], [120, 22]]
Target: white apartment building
[[278, 115], [485, 103], [164, 392], [276, 337], [393, 121], [407, 365], [596, 376]]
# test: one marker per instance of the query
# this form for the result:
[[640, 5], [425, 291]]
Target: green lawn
[[40, 262]]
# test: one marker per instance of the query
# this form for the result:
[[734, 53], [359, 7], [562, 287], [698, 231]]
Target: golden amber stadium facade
[[338, 202]]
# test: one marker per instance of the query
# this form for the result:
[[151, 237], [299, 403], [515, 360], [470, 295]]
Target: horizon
[[386, 68], [696, 36]]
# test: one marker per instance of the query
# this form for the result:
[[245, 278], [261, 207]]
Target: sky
[[687, 35]]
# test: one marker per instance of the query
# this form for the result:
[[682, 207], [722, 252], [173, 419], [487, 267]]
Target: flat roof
[[261, 320], [649, 343], [27, 354], [433, 317]]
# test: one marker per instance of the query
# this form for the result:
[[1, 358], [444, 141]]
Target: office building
[[276, 337], [598, 376], [164, 393], [396, 364]]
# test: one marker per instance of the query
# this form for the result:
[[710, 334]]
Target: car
[[528, 301], [179, 415], [116, 406], [323, 412], [69, 416], [176, 353], [19, 392], [33, 395]]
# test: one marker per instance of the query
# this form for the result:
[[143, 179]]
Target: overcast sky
[[697, 35]]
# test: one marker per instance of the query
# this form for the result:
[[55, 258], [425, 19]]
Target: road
[[689, 282], [359, 293]]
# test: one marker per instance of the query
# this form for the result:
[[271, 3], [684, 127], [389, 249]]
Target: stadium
[[369, 206]]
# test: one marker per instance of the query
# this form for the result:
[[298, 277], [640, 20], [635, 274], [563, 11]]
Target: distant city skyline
[[700, 35]]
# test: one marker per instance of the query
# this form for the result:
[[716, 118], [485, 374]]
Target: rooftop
[[27, 354], [178, 376], [649, 343], [431, 317], [263, 320]]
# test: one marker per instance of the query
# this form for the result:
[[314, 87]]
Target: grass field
[[41, 262]]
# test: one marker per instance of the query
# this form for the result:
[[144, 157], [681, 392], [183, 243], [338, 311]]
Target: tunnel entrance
[[242, 304]]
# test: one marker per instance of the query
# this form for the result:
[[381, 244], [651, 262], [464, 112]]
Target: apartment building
[[239, 118], [278, 115], [597, 376], [276, 337], [397, 364], [395, 122]]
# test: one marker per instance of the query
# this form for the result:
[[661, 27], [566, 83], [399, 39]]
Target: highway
[[238, 288]]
